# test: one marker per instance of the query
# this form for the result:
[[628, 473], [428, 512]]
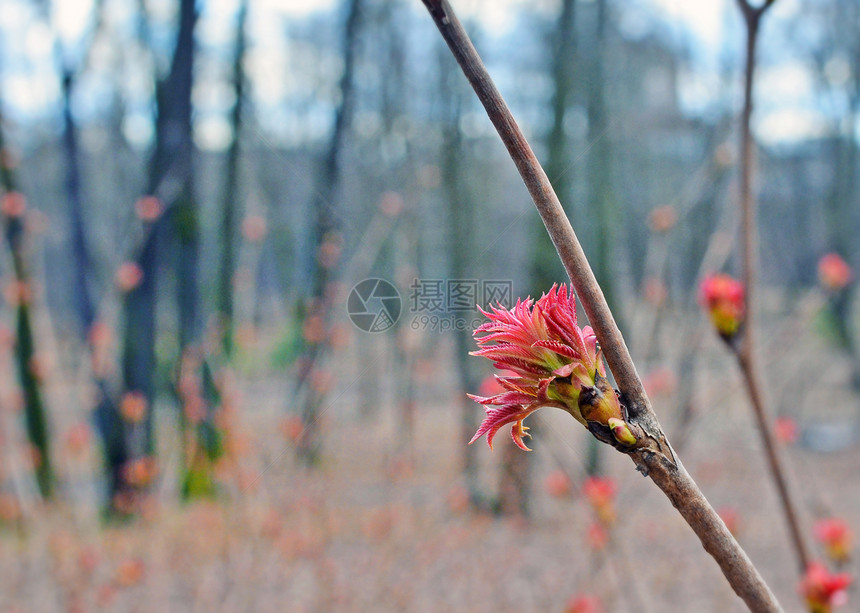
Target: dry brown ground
[[369, 532]]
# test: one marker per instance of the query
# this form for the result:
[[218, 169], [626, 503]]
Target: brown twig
[[654, 455], [752, 379], [747, 351]]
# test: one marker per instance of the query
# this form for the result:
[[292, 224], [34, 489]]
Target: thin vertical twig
[[746, 353], [653, 454]]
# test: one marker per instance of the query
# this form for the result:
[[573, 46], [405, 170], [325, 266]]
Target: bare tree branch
[[653, 456], [754, 12], [747, 352]]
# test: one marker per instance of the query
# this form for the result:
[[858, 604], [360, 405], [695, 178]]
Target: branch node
[[640, 462], [437, 11]]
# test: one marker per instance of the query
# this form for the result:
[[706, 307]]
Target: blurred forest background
[[190, 190]]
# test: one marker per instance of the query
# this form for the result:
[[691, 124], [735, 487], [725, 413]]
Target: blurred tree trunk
[[327, 243], [195, 386], [844, 200], [601, 196], [402, 250], [840, 208], [460, 220], [841, 203], [176, 134], [229, 205], [406, 345], [81, 288], [35, 413], [546, 268], [106, 417], [199, 395], [170, 179]]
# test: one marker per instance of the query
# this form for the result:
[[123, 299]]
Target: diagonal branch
[[751, 12], [653, 456], [746, 353]]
